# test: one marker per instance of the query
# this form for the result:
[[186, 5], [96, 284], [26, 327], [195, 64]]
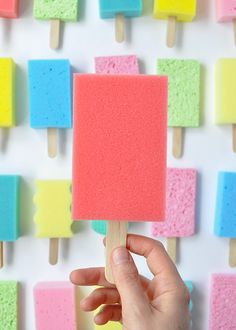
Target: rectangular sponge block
[[50, 94], [53, 203], [55, 306], [223, 302], [183, 10], [65, 10], [9, 8], [129, 8], [119, 147], [225, 214], [9, 208], [7, 92], [126, 64], [184, 91], [225, 10], [225, 97], [8, 305]]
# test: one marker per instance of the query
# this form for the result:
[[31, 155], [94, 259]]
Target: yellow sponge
[[7, 92], [183, 10], [53, 203]]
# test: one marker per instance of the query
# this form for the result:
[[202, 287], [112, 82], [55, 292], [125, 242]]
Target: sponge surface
[[225, 100], [9, 208], [180, 204], [65, 10], [9, 8], [129, 8], [223, 302], [184, 91], [117, 64], [55, 306], [50, 94], [8, 305], [225, 10], [7, 92], [119, 147], [225, 214], [53, 202], [183, 10]]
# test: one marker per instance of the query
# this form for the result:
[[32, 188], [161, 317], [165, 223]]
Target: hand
[[140, 304]]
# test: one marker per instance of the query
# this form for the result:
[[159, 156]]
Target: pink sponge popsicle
[[223, 302], [9, 8], [126, 64], [119, 149], [226, 12], [55, 306], [180, 207]]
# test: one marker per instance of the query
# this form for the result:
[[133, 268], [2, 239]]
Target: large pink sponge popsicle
[[9, 8], [180, 204], [119, 147], [126, 64], [223, 302], [55, 307]]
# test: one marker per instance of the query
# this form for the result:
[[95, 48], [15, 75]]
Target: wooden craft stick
[[234, 137], [53, 251], [116, 236], [172, 248], [171, 31], [232, 252], [52, 142], [234, 28], [177, 144], [119, 28], [55, 34], [1, 255]]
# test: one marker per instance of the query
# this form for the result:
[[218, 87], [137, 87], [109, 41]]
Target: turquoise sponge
[[65, 10], [8, 305], [184, 91]]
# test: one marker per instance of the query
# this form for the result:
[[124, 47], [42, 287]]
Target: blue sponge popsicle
[[129, 8], [225, 214], [9, 201], [50, 94]]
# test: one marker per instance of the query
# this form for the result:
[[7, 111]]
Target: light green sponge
[[184, 91], [64, 10], [8, 305]]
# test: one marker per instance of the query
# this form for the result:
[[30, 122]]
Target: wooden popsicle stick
[[53, 250], [232, 252], [52, 142], [234, 28], [1, 255], [119, 28], [234, 137], [171, 31], [55, 33], [172, 248], [177, 144], [116, 236]]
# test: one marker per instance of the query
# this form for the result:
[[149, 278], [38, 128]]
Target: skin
[[138, 303]]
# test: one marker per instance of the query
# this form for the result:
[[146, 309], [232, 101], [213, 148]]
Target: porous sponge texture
[[53, 209], [8, 305], [55, 306], [50, 94], [129, 8], [7, 92], [184, 91], [9, 208], [225, 213], [65, 10], [223, 302], [180, 204], [117, 65], [119, 147], [183, 10]]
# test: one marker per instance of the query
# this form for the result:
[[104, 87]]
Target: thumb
[[127, 280]]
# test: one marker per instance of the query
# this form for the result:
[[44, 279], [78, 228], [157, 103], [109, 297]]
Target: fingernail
[[120, 256]]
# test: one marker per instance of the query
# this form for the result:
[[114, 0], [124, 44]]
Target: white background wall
[[208, 148]]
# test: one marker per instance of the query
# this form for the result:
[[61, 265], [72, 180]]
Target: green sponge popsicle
[[8, 305], [184, 96], [56, 11]]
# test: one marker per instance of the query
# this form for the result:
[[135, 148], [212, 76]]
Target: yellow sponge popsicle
[[183, 10], [7, 92]]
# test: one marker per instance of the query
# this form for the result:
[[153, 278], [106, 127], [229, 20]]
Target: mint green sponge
[[64, 10], [184, 91], [8, 305]]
